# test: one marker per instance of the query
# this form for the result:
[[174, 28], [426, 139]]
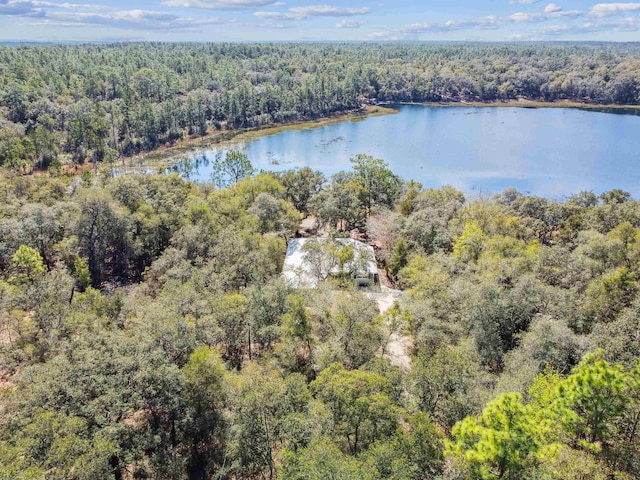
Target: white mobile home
[[312, 260]]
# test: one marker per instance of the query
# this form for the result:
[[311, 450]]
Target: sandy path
[[399, 346]]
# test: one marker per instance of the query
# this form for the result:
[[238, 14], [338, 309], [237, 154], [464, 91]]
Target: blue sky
[[337, 20]]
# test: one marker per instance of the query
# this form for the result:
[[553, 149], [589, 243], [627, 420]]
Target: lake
[[543, 151]]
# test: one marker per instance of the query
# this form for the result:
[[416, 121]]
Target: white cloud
[[328, 11], [492, 22], [301, 13], [623, 25], [82, 6], [276, 15], [414, 30], [552, 8], [20, 8], [349, 23], [53, 14], [551, 12], [32, 8], [131, 19], [487, 23], [524, 17], [607, 9], [580, 29], [222, 4]]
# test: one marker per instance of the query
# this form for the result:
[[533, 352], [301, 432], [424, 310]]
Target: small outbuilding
[[312, 260]]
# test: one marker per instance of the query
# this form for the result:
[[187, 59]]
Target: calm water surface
[[547, 151]]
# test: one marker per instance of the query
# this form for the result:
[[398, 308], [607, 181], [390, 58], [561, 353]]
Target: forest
[[69, 104], [146, 331]]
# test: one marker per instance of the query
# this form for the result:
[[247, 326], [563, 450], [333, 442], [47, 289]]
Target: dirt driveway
[[398, 348]]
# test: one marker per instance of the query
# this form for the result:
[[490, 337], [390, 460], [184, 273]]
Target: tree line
[[61, 104]]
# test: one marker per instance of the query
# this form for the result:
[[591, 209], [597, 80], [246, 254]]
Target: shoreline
[[158, 158], [531, 104], [166, 156]]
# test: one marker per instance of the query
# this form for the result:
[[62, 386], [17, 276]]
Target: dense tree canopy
[[146, 330]]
